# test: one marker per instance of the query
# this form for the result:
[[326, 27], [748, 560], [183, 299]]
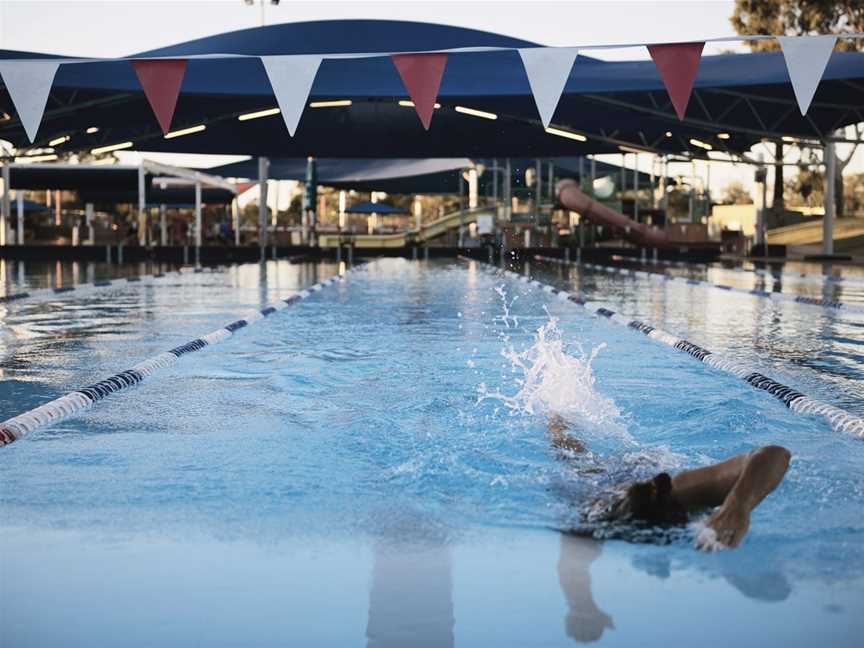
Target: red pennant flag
[[421, 74], [678, 64], [161, 81]]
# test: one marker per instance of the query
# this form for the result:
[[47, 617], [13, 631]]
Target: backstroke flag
[[678, 64], [29, 84], [161, 80], [806, 58], [421, 74], [548, 69], [291, 78]]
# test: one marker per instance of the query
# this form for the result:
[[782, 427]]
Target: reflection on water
[[585, 621], [411, 598]]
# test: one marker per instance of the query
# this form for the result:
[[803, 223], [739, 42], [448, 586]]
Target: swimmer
[[734, 487]]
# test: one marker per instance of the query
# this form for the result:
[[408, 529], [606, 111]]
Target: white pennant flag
[[548, 69], [291, 78], [806, 59], [29, 83]]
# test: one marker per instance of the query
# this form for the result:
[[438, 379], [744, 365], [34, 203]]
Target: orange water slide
[[572, 198]]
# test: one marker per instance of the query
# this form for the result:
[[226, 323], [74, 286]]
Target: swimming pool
[[371, 466]]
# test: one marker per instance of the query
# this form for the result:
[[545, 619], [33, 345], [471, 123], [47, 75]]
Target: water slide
[[572, 198], [428, 231]]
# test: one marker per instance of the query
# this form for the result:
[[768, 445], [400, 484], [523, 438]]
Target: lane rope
[[79, 400], [839, 419], [754, 292], [145, 279], [782, 274]]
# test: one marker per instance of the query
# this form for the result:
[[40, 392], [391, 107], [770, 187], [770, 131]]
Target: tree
[[735, 194], [798, 18]]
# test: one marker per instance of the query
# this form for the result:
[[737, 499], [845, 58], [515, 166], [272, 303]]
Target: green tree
[[735, 194], [797, 18]]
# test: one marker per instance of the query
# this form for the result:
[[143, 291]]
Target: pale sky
[[120, 27]]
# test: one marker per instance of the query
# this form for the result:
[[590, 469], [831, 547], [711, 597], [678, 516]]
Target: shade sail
[[30, 206], [111, 184], [418, 176], [375, 208], [747, 95]]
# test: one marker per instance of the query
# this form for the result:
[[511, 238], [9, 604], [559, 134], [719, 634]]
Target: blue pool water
[[371, 466]]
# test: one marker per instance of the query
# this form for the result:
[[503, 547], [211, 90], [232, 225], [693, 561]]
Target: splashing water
[[554, 382]]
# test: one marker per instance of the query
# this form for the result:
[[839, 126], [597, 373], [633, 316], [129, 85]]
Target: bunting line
[[548, 69], [29, 84], [291, 78], [29, 81]]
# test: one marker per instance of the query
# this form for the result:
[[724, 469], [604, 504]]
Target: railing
[[430, 230]]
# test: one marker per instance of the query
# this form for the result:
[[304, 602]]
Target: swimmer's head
[[651, 501]]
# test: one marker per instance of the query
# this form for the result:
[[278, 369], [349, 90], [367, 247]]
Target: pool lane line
[[77, 401], [796, 401], [799, 276], [146, 279], [754, 292]]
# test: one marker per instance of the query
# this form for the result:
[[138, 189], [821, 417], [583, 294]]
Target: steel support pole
[[88, 218], [163, 225], [198, 223], [636, 187], [263, 170], [142, 207], [235, 220], [5, 205], [461, 208], [830, 178], [19, 236]]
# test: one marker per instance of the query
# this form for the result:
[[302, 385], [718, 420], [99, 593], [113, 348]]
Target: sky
[[121, 27]]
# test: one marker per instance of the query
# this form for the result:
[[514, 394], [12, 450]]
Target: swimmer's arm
[[561, 439], [762, 473]]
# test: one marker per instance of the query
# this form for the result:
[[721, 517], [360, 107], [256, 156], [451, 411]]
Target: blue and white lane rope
[[146, 279], [792, 276], [839, 419], [755, 292], [77, 401]]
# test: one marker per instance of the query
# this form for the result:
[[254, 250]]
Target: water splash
[[555, 380]]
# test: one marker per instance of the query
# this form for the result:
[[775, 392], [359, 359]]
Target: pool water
[[371, 466]]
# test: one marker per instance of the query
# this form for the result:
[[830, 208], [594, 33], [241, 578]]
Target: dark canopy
[[375, 208], [110, 184], [746, 95], [417, 176], [30, 206]]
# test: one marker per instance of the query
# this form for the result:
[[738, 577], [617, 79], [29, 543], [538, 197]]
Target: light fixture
[[475, 113], [36, 158], [4, 116], [668, 133], [259, 113], [791, 140], [185, 131], [336, 103], [567, 134], [701, 144], [630, 149], [111, 147], [57, 141], [410, 104], [92, 129], [723, 136]]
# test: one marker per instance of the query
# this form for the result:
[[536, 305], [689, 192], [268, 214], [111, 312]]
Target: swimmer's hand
[[725, 528]]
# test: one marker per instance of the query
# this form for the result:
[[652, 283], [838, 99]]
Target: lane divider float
[[145, 279], [755, 292], [797, 276], [839, 419], [77, 401]]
